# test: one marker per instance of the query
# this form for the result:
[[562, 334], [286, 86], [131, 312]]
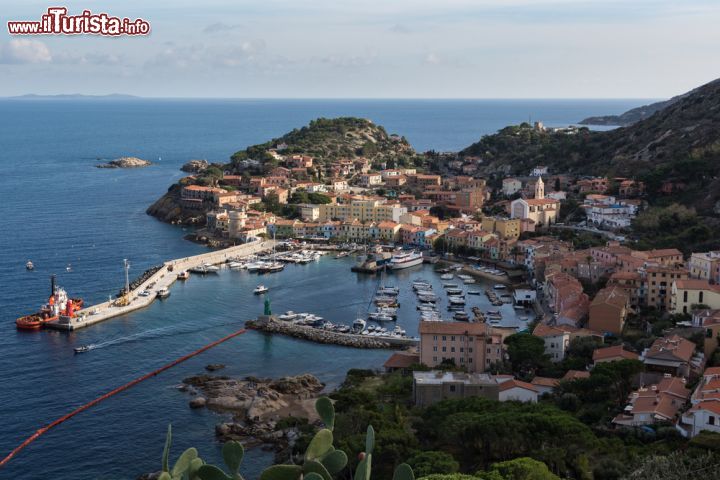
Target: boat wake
[[153, 333]]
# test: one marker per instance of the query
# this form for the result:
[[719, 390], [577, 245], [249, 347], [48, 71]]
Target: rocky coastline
[[125, 162], [195, 166], [256, 405]]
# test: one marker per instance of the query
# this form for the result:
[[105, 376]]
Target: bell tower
[[539, 189]]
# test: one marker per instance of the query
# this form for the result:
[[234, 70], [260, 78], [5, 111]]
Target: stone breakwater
[[318, 335]]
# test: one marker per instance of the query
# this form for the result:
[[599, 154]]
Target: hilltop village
[[628, 333]]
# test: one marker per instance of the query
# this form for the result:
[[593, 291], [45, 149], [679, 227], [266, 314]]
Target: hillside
[[633, 115], [332, 139], [678, 144]]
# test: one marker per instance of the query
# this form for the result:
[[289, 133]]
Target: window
[[711, 420], [444, 338], [434, 359], [452, 349], [434, 349], [444, 349], [462, 349], [700, 297], [452, 339], [469, 360], [452, 388], [434, 337], [489, 350], [469, 349]]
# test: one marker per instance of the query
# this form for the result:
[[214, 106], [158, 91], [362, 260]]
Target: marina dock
[[163, 278], [269, 324]]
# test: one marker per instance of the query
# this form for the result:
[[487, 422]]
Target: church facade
[[540, 210]]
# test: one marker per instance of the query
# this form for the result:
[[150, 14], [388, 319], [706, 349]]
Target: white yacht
[[405, 260]]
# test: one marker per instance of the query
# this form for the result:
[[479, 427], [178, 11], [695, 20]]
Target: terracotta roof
[[677, 346], [507, 385], [545, 382], [696, 284], [576, 374], [544, 330], [712, 406], [616, 351], [712, 371], [613, 296], [401, 360]]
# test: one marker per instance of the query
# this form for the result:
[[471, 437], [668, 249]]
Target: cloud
[[220, 27], [432, 58], [199, 55], [23, 51], [398, 28]]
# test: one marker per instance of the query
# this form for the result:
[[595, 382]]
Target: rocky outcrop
[[256, 403], [195, 166], [168, 209], [214, 367], [125, 162]]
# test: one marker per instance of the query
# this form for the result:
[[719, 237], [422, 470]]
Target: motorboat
[[359, 324], [260, 289], [499, 286], [164, 292], [288, 316], [205, 268], [454, 291], [447, 276], [236, 265], [29, 265], [461, 316], [184, 275], [473, 292], [450, 285], [83, 349], [455, 300]]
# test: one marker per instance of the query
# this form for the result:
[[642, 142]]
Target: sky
[[373, 49]]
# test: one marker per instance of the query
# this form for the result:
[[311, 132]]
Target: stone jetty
[[270, 324]]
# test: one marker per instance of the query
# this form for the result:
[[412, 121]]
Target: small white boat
[[236, 265], [83, 349], [499, 286], [260, 289], [29, 265], [288, 316], [359, 325], [163, 293], [447, 276], [184, 275]]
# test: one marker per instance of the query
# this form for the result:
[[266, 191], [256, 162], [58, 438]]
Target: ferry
[[58, 304], [405, 260]]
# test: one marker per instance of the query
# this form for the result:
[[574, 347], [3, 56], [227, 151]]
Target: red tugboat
[[58, 304]]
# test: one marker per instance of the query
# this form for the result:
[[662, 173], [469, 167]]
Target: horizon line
[[117, 96]]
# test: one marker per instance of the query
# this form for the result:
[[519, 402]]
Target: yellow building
[[505, 227], [689, 292], [542, 211], [363, 210]]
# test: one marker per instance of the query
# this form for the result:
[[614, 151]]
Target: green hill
[[680, 144], [337, 138]]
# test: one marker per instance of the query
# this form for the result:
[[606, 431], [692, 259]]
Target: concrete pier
[[163, 278]]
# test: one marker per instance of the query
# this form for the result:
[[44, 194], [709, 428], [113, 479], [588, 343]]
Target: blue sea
[[80, 222]]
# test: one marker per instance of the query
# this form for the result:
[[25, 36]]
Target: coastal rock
[[256, 403], [125, 162], [195, 166], [214, 366], [198, 402]]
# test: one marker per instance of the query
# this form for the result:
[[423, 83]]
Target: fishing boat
[[58, 304], [83, 349], [447, 276], [184, 275], [260, 289], [271, 267], [29, 265], [450, 285], [403, 260], [163, 293]]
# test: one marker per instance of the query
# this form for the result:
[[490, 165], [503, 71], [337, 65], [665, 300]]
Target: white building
[[518, 391], [510, 186], [539, 171], [606, 211]]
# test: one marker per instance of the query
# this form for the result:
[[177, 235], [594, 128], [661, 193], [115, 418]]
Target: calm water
[[58, 210]]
